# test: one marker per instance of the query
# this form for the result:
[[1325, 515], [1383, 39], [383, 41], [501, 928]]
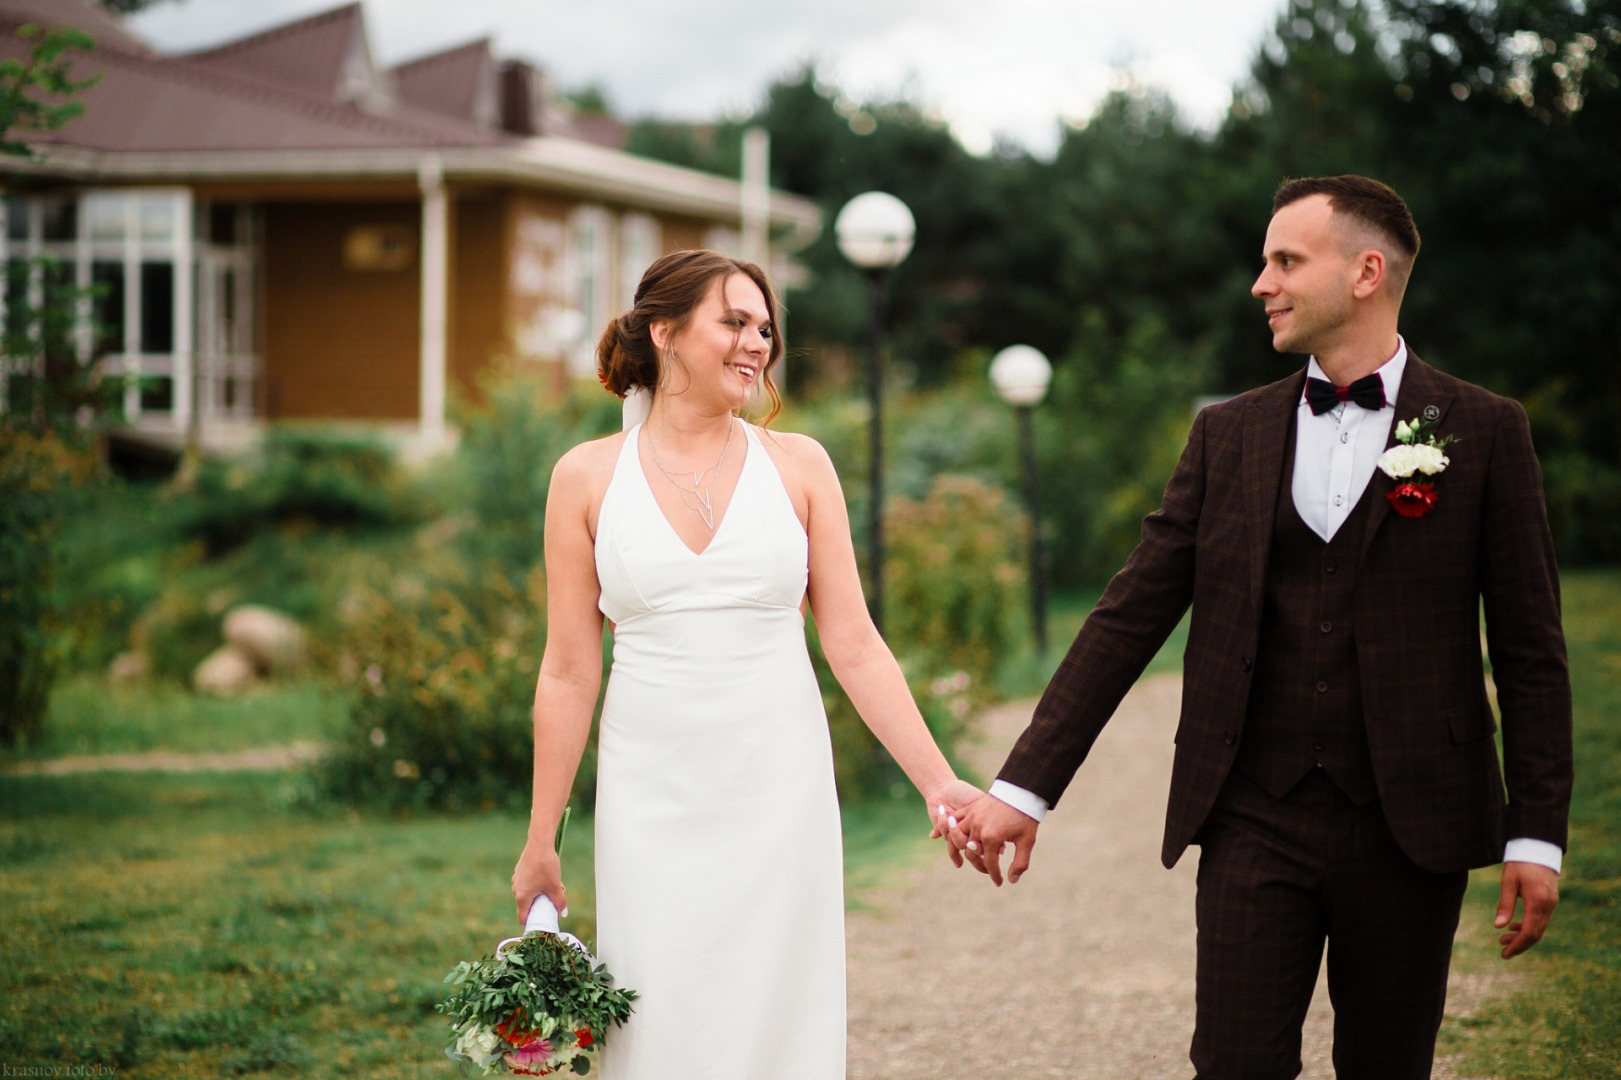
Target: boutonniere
[[1416, 456]]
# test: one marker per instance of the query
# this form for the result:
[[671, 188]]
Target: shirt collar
[[1390, 372]]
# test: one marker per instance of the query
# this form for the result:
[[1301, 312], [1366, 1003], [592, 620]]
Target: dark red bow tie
[[1368, 392]]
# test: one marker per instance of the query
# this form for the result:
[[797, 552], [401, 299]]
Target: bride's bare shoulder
[[795, 450], [588, 467]]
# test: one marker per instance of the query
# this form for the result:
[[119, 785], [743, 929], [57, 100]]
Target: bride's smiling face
[[721, 352]]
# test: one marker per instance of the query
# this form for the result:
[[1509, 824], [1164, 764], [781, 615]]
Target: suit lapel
[[1266, 429], [1421, 397]]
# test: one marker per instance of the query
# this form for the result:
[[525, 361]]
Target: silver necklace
[[700, 498]]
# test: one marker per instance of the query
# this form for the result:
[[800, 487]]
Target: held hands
[[1538, 886], [982, 833], [538, 873], [946, 803]]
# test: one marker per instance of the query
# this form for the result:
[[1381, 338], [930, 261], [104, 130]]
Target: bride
[[701, 537]]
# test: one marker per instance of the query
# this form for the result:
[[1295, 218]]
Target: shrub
[[955, 579], [442, 675], [510, 442], [296, 475], [176, 632], [953, 601], [36, 474], [1119, 415], [1584, 510]]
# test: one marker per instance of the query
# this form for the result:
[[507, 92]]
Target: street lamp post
[[875, 232], [1021, 375]]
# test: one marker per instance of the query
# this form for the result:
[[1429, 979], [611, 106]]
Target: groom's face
[[1306, 283]]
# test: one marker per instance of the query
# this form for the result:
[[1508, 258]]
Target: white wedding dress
[[720, 892]]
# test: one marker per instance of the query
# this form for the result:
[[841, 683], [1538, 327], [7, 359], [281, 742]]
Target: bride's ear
[[659, 331]]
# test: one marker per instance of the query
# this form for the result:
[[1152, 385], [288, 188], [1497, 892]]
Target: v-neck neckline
[[647, 485]]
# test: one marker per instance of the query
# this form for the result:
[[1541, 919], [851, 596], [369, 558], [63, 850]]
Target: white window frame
[[228, 372], [591, 245]]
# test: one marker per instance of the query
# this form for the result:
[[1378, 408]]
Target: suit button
[[1322, 688], [1327, 626], [1229, 736], [1248, 663], [1328, 568]]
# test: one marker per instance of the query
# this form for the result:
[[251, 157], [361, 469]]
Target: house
[[282, 230]]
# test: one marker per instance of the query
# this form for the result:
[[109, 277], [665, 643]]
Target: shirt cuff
[[1523, 849], [1025, 802]]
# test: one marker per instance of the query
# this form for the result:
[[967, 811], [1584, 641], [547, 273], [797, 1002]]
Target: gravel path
[[259, 759], [1085, 968]]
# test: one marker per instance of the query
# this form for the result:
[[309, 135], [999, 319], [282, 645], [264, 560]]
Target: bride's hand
[[946, 802], [539, 872]]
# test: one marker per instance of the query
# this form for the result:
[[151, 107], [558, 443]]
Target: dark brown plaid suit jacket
[[1416, 611]]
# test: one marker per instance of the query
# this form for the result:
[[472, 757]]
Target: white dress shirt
[[1335, 455]]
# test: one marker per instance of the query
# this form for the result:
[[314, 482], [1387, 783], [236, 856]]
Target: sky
[[994, 69]]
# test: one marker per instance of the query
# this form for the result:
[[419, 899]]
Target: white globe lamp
[[1021, 374], [875, 230]]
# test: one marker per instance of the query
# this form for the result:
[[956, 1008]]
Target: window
[[171, 311], [590, 229], [639, 242]]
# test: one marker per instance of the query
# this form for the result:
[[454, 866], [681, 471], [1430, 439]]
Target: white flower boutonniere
[[1418, 453]]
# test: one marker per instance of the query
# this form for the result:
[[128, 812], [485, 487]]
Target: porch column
[[435, 285], [188, 397]]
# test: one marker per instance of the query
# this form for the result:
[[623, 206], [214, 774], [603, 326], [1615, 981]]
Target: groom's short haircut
[[1377, 215]]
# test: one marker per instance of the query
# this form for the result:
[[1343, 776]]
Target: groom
[[1335, 759]]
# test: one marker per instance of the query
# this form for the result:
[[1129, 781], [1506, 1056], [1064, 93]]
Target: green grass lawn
[[89, 716], [179, 926], [1565, 1020]]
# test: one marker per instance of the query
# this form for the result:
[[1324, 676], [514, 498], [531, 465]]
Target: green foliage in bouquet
[[541, 1002]]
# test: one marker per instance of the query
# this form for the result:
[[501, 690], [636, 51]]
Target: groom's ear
[[1371, 272]]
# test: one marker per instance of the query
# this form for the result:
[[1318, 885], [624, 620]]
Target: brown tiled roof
[[149, 102], [458, 82], [87, 15], [308, 55]]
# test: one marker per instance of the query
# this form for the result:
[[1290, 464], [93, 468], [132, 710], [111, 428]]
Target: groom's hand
[[1538, 886], [984, 831]]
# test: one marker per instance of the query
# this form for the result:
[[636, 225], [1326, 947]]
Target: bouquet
[[541, 1005]]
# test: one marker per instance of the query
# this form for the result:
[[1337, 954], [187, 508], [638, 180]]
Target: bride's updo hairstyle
[[671, 291]]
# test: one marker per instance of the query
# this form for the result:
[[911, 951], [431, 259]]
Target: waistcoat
[[1305, 705]]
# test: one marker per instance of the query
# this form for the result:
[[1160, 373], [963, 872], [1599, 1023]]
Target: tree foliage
[[1496, 119], [39, 94]]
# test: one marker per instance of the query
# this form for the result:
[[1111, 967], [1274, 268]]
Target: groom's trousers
[[1278, 877]]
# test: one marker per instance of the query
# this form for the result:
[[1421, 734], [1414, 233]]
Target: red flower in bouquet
[[583, 1037], [512, 1030], [1412, 500]]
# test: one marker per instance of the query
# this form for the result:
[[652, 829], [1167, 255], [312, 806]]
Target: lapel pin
[[1431, 412]]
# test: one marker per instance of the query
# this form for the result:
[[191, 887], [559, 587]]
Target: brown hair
[[1369, 203], [670, 291]]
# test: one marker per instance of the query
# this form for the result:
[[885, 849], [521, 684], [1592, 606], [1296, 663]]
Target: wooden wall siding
[[683, 233], [339, 344], [478, 299]]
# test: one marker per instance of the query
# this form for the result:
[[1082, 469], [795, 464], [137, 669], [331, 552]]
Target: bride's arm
[[570, 671], [855, 651]]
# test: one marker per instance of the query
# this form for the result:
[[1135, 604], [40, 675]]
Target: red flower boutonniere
[[1415, 458]]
